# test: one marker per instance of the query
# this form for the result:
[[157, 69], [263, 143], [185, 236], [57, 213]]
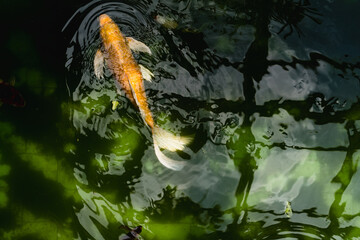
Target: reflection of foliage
[[344, 176], [35, 227], [33, 173], [290, 13], [179, 218], [37, 180], [4, 171]]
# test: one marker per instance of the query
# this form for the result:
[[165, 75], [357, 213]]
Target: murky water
[[269, 90]]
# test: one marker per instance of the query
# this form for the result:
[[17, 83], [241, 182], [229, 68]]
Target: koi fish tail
[[166, 140]]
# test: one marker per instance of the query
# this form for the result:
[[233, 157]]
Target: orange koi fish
[[129, 75]]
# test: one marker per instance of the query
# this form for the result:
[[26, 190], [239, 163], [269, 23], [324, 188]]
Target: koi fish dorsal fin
[[146, 73], [99, 64], [137, 46]]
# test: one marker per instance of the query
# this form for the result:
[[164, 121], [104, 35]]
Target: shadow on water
[[269, 90]]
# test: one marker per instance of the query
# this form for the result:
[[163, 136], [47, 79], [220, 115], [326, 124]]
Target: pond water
[[268, 90]]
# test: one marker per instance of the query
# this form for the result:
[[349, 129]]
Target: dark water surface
[[268, 89]]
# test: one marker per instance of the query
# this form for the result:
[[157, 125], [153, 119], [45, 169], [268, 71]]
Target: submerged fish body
[[10, 95], [122, 63], [129, 75]]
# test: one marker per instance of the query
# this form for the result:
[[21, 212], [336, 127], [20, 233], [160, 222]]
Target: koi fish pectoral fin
[[137, 46], [99, 64], [146, 73]]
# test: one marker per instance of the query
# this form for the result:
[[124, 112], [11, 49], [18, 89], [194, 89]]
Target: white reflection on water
[[302, 176], [210, 178], [286, 84], [93, 210], [224, 83], [279, 49], [299, 176], [333, 82], [305, 133]]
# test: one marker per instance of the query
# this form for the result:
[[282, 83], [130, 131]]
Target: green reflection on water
[[31, 226]]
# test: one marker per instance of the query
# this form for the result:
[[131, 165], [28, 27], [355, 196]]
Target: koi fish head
[[104, 19]]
